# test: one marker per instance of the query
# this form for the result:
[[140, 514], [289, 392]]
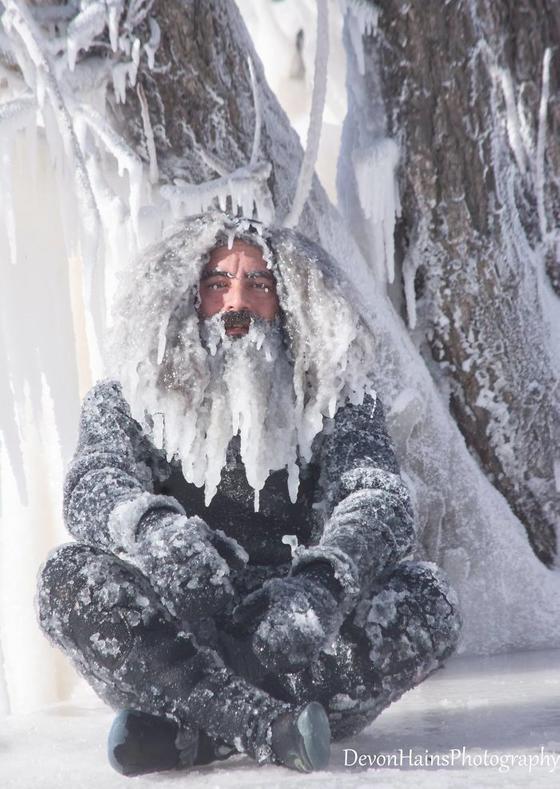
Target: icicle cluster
[[378, 189], [277, 406], [63, 97], [96, 17], [120, 206], [362, 21]]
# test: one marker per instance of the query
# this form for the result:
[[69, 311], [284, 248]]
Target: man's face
[[237, 282]]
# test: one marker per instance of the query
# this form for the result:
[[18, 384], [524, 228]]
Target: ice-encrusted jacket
[[352, 511]]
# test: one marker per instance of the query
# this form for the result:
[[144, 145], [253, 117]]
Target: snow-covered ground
[[496, 720]]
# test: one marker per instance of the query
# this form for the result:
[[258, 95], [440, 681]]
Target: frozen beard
[[249, 391]]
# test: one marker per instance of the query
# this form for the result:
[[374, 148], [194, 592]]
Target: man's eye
[[216, 285], [262, 286]]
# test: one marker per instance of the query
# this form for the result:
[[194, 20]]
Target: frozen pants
[[93, 606]]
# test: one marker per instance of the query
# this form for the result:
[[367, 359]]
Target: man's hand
[[188, 564], [291, 620]]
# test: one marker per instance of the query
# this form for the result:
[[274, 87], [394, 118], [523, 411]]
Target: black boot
[[302, 739], [140, 743], [229, 708]]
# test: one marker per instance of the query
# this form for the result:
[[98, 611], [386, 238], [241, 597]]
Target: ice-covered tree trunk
[[468, 91]]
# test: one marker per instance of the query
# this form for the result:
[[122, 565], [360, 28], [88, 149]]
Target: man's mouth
[[237, 323], [237, 330]]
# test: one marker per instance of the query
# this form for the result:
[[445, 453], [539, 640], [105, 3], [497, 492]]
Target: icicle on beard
[[250, 392]]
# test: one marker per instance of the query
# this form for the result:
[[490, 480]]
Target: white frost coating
[[149, 134], [115, 9], [512, 117], [378, 190], [541, 143], [362, 21], [16, 114], [152, 45], [88, 24], [209, 159], [307, 169], [125, 517], [246, 186]]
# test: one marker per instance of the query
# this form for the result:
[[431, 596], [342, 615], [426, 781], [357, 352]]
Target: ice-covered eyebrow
[[215, 272]]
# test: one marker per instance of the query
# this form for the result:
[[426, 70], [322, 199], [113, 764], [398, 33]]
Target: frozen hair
[[155, 346]]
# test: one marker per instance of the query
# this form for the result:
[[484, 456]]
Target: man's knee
[[82, 592], [417, 601], [437, 600], [57, 587]]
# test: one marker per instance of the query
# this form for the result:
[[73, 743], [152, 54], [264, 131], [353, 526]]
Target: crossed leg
[[103, 613], [394, 639], [89, 604], [92, 605]]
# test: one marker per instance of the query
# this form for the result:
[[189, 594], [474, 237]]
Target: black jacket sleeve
[[109, 483], [369, 524]]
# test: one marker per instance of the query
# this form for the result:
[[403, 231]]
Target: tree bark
[[199, 97], [461, 84]]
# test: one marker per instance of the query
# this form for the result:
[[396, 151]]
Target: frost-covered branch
[[246, 186], [258, 119], [541, 143], [126, 158], [83, 29]]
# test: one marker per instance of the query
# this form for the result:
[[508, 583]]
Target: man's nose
[[236, 298]]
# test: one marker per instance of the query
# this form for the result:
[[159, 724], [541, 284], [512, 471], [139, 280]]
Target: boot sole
[[141, 743], [315, 733]]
